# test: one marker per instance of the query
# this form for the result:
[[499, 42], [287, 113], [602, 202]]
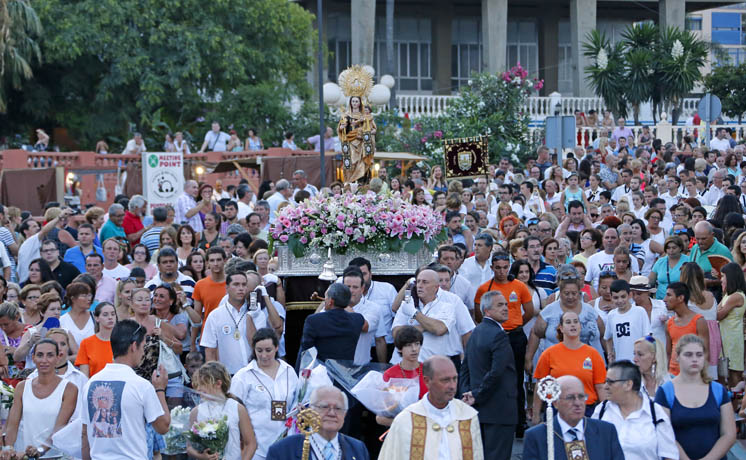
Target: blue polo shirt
[[76, 257], [546, 278], [110, 229]]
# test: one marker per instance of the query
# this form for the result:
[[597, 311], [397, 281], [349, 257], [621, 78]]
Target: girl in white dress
[[213, 382]]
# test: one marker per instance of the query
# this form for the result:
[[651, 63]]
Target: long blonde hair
[[660, 369], [689, 339]]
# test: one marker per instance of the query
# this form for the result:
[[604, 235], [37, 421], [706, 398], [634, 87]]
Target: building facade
[[439, 43]]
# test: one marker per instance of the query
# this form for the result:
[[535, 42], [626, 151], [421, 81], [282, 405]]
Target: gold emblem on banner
[[466, 157]]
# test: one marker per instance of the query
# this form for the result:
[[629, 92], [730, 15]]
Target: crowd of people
[[620, 273]]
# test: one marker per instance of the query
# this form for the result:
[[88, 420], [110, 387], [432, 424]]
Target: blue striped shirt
[[546, 278]]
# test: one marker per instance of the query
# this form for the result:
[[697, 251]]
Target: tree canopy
[[728, 82], [110, 65]]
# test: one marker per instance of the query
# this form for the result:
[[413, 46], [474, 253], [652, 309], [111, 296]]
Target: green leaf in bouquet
[[295, 245], [414, 245]]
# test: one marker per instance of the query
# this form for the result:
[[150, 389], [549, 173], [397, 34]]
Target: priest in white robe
[[437, 427]]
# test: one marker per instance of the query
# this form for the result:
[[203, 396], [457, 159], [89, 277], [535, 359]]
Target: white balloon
[[379, 95], [388, 81], [370, 70], [332, 92]]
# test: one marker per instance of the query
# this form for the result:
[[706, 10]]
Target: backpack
[[656, 420], [668, 391]]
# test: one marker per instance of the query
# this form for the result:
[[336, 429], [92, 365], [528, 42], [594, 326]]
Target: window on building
[[727, 28], [693, 23], [523, 46], [466, 50], [412, 43]]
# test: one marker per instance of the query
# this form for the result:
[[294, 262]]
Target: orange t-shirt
[[95, 353], [208, 293], [515, 292], [677, 332], [584, 363]]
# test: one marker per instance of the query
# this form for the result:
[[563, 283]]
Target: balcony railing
[[538, 107]]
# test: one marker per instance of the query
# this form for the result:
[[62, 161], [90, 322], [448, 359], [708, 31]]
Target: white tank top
[[711, 314], [215, 410], [41, 414]]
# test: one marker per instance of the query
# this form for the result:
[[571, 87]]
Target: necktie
[[329, 451], [574, 434]]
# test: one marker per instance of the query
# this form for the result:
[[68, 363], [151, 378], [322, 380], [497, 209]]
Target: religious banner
[[162, 178], [466, 157]]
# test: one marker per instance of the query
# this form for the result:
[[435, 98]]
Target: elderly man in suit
[[488, 375], [335, 331], [328, 443], [570, 424]]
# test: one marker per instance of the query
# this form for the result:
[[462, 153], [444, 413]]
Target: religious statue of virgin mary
[[356, 128]]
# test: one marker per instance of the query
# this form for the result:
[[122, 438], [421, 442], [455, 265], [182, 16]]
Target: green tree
[[606, 74], [19, 29], [116, 62], [728, 82], [648, 64]]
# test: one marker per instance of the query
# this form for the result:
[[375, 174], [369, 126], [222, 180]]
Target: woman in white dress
[[213, 381], [268, 387], [44, 404]]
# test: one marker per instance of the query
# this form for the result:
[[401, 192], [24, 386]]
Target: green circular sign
[[153, 161]]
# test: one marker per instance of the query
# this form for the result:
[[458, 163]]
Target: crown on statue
[[355, 81]]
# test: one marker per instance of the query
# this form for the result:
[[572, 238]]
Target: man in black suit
[[488, 375], [600, 438], [335, 331]]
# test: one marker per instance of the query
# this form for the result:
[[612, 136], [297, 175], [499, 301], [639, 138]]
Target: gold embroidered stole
[[419, 435], [464, 430]]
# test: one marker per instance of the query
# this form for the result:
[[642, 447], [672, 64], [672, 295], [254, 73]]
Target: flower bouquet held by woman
[[210, 435]]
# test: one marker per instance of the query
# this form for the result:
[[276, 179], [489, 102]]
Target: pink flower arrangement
[[364, 221]]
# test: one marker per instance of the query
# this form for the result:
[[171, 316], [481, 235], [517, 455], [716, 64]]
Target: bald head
[[435, 365], [704, 235], [611, 240], [427, 285]]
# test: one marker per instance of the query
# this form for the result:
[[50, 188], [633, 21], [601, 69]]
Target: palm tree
[[679, 56], [639, 64], [606, 74], [19, 29]]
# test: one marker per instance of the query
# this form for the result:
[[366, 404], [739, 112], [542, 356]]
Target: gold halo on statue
[[309, 421], [355, 81]]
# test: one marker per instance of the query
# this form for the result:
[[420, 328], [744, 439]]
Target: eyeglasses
[[532, 221], [49, 251], [681, 231], [580, 398], [594, 215], [133, 337], [650, 339], [568, 276], [326, 408], [500, 257], [610, 381], [608, 273]]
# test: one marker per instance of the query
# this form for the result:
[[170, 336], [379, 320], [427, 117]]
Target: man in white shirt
[[112, 268], [187, 210], [721, 141], [300, 180], [433, 316], [244, 201], [168, 272], [283, 193], [645, 432], [671, 197], [383, 294], [476, 269], [227, 328], [715, 191], [29, 250], [215, 139], [135, 146], [459, 335], [448, 256], [119, 402], [372, 333], [604, 260]]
